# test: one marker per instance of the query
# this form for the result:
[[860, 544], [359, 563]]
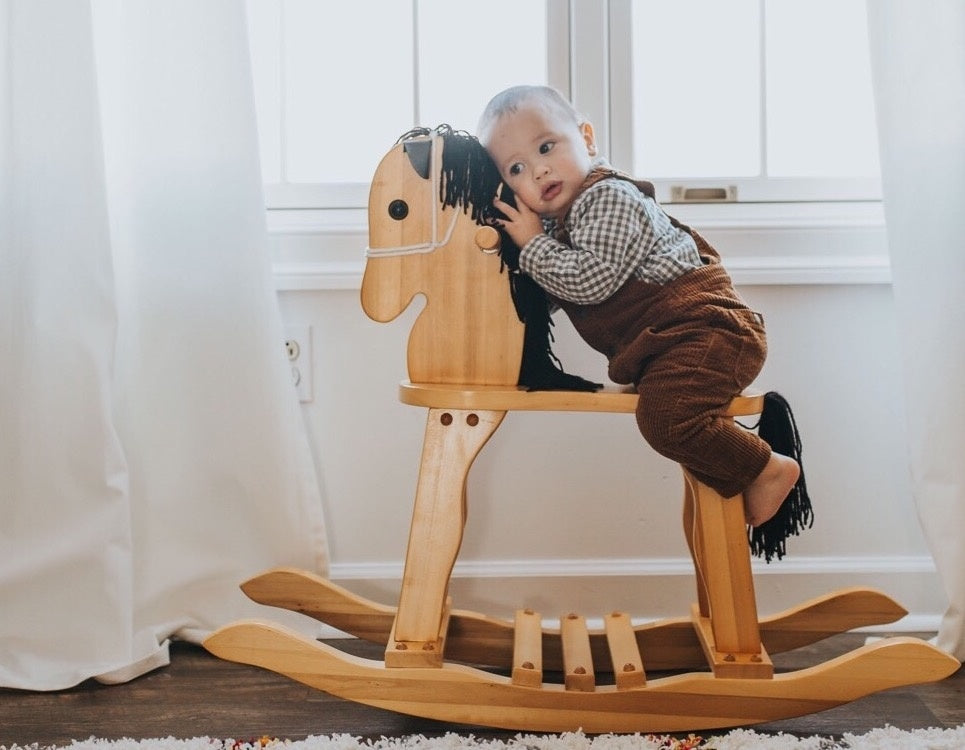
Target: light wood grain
[[688, 702], [453, 438], [477, 638], [469, 331], [611, 399], [527, 649], [723, 557], [578, 671], [628, 670]]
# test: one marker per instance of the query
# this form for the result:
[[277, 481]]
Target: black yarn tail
[[778, 428]]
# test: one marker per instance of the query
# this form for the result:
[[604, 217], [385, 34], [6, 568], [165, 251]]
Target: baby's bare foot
[[764, 495]]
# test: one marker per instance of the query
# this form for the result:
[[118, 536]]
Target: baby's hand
[[521, 223]]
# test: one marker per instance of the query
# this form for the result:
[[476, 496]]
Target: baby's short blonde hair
[[509, 100]]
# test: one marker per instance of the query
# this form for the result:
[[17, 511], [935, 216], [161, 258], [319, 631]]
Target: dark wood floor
[[201, 695]]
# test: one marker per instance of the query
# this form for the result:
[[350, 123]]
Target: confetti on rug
[[887, 738]]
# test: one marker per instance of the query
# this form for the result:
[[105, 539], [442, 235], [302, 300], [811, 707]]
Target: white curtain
[[152, 450], [918, 62]]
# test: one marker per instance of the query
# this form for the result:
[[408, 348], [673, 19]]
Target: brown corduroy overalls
[[689, 346]]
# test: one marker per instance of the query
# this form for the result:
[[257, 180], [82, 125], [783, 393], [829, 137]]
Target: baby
[[639, 287]]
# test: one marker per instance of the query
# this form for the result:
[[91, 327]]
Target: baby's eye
[[515, 169], [545, 148]]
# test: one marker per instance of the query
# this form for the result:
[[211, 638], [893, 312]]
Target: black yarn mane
[[470, 181]]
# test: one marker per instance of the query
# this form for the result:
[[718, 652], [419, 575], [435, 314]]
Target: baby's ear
[[586, 129]]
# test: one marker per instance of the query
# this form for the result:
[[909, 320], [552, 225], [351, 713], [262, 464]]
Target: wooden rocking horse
[[464, 361]]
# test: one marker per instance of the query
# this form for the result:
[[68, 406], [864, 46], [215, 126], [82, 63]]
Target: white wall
[[573, 512]]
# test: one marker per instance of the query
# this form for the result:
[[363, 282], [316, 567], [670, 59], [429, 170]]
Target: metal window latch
[[719, 194]]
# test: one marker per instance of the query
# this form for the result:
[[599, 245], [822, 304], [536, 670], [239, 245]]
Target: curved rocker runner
[[476, 638]]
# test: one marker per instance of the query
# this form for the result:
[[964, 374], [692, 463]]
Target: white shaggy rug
[[888, 738]]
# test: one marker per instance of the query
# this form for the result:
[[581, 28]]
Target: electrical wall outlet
[[298, 349]]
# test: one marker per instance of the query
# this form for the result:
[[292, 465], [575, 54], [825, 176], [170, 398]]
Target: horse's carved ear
[[420, 155]]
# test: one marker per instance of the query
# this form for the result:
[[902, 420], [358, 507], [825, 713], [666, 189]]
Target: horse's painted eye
[[398, 209]]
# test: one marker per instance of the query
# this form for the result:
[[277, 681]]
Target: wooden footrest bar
[[628, 669], [626, 660], [578, 669], [528, 649], [577, 659]]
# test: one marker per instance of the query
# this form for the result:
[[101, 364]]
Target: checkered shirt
[[614, 232]]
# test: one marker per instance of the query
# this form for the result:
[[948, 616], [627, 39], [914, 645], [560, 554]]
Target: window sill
[[769, 215], [762, 243]]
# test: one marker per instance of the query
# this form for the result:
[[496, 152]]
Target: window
[[772, 97], [336, 84]]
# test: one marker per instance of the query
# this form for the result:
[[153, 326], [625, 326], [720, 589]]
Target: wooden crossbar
[[528, 649], [628, 669], [577, 658]]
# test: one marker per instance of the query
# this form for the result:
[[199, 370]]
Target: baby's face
[[543, 156]]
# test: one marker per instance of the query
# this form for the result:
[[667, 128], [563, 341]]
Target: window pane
[[464, 59], [820, 111], [696, 88], [348, 86]]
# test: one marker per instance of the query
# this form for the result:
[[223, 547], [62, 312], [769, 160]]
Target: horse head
[[428, 235]]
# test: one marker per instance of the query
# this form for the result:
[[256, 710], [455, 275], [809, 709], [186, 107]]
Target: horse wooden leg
[[691, 535], [730, 636], [453, 439]]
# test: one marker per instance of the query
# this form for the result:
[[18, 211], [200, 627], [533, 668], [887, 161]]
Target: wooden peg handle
[[487, 239]]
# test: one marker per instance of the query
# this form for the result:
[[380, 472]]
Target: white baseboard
[[641, 566]]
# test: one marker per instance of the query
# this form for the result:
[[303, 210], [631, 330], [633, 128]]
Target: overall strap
[[604, 172]]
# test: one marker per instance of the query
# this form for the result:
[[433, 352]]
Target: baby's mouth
[[551, 191]]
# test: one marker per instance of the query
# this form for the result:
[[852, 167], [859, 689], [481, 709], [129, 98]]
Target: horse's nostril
[[398, 209]]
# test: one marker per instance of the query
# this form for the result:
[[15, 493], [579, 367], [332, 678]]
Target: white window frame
[[778, 237], [618, 119], [281, 196], [589, 46]]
